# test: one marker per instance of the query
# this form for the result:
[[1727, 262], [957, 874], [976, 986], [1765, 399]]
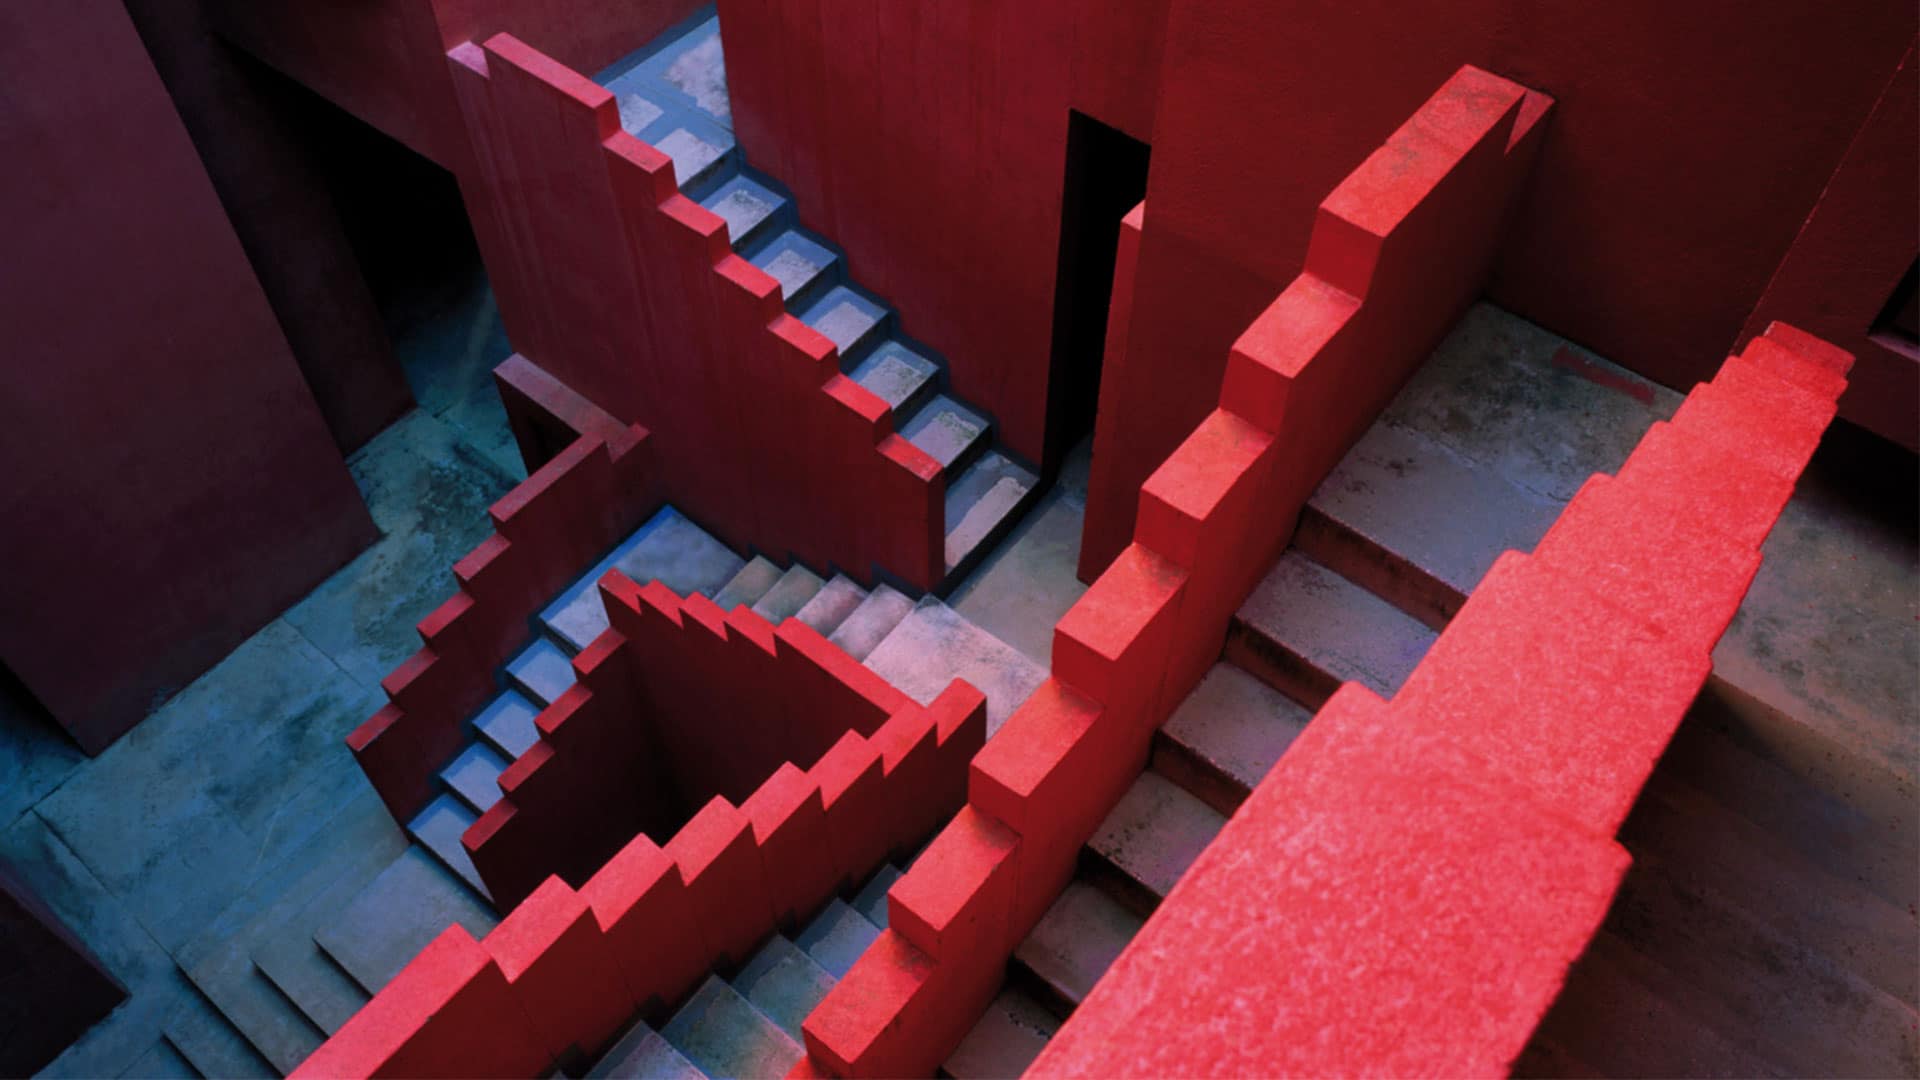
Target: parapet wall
[[1399, 250], [628, 292], [1405, 892]]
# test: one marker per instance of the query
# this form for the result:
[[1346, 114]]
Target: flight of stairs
[[749, 1024], [672, 94]]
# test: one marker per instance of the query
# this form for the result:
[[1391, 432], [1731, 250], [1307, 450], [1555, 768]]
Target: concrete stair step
[[898, 375], [326, 995], [749, 585], [783, 982], [949, 432], [869, 624], [1010, 1034], [1760, 988], [1222, 740], [836, 937], [668, 548], [541, 672], [723, 1035], [829, 607], [215, 1047], [788, 595], [1073, 944], [704, 153], [507, 724], [982, 506], [438, 828], [642, 1054], [163, 1061], [751, 209], [852, 320], [250, 1012], [935, 644], [1389, 518], [1708, 850], [804, 267], [1148, 840], [474, 776], [871, 900], [1304, 630], [402, 909]]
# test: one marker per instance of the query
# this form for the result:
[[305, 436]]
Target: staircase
[[673, 95], [749, 1025]]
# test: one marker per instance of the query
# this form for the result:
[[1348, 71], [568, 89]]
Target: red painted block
[[1746, 494], [1773, 393], [1651, 551], [1827, 355], [909, 748], [1560, 689], [643, 908], [1300, 324], [853, 788], [796, 853], [955, 902], [1351, 227], [555, 960], [868, 1024], [726, 885], [1051, 774], [1113, 644], [960, 727], [831, 692], [1810, 375], [449, 1012], [1369, 911], [1782, 441]]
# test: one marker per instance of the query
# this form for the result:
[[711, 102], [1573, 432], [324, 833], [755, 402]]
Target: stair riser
[[1126, 890], [1057, 1000], [1278, 666], [1392, 578], [977, 554], [1197, 776]]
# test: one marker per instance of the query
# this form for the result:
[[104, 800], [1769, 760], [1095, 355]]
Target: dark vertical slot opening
[[1899, 318], [1105, 176]]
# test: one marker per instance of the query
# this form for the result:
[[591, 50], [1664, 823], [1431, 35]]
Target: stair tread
[[1076, 941], [947, 430], [935, 644], [897, 375], [668, 548], [869, 624], [541, 671], [439, 828], [699, 147], [1435, 514], [983, 503], [163, 1061], [837, 936], [474, 776], [848, 318], [871, 900], [788, 595], [326, 995], [723, 1035], [250, 1009], [643, 1054], [800, 264], [782, 981], [1235, 727], [507, 724], [745, 205], [749, 585], [1008, 1037], [396, 915], [1154, 833], [829, 607], [1303, 613], [214, 1047]]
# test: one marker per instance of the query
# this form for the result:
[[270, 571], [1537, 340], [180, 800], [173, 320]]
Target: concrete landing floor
[[141, 849], [1024, 587]]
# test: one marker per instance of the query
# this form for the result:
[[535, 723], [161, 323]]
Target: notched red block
[[956, 901], [551, 951], [1112, 643], [1822, 352], [867, 1025], [725, 882], [1783, 442], [642, 906], [852, 782], [1284, 338], [1732, 493], [1785, 363], [796, 853], [1185, 494]]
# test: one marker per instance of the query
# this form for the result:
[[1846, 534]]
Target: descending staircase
[[672, 94], [749, 1025]]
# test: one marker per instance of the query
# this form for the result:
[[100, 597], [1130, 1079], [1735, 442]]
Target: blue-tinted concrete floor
[[142, 849]]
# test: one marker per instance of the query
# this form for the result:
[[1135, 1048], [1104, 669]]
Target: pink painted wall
[[170, 485]]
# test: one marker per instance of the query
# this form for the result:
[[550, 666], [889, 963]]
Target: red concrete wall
[[384, 60], [170, 484], [1855, 246], [627, 292], [945, 188], [1646, 240], [1405, 892], [1399, 249]]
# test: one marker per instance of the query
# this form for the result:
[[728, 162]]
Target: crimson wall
[[169, 484]]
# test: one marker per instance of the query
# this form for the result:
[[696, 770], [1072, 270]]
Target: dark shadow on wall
[[1106, 176]]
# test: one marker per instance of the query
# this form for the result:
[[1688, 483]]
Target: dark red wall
[[169, 484]]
